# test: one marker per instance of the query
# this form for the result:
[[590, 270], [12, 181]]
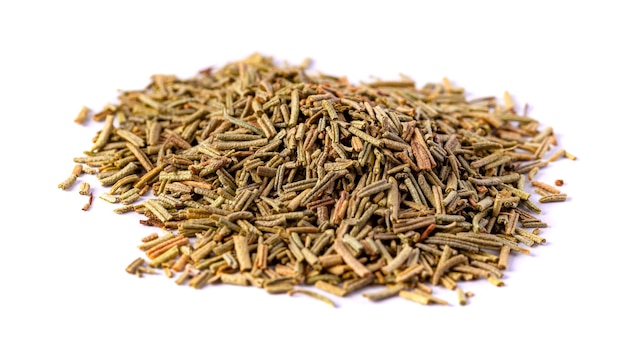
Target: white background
[[63, 285]]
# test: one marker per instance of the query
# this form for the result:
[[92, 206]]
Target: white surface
[[64, 287]]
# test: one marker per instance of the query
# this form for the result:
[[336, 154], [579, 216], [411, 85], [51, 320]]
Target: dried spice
[[266, 175]]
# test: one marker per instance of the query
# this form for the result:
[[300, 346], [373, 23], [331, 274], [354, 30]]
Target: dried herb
[[264, 174]]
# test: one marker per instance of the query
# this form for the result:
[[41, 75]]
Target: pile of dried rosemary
[[269, 176]]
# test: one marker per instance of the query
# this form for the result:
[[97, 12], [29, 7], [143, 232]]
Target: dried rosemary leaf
[[268, 175]]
